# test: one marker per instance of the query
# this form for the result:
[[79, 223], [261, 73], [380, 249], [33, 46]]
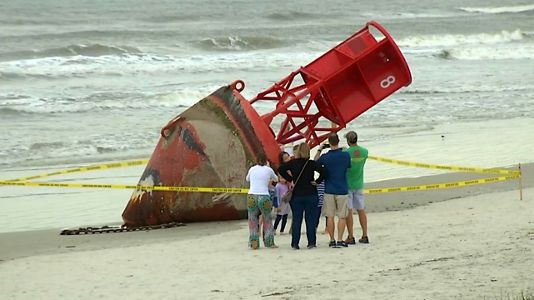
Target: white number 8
[[386, 82]]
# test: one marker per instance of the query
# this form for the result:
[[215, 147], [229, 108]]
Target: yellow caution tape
[[125, 186], [436, 186], [244, 190], [132, 163], [24, 181], [443, 167], [113, 165]]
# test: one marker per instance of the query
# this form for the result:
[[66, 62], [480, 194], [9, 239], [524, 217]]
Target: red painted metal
[[215, 142], [211, 144], [338, 86]]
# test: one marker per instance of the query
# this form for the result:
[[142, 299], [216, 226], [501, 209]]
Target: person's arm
[[273, 176], [319, 151], [279, 195], [283, 171], [319, 169], [248, 175], [318, 154]]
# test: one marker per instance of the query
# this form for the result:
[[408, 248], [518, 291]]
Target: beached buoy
[[213, 143]]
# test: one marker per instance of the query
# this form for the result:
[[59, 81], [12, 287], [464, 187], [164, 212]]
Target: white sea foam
[[71, 50], [466, 88], [239, 43], [111, 65], [447, 40], [181, 98], [500, 9], [483, 46], [489, 53], [77, 66], [408, 15]]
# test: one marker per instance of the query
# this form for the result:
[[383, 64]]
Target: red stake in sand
[[214, 142]]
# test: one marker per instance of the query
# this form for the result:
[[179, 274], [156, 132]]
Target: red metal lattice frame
[[294, 100]]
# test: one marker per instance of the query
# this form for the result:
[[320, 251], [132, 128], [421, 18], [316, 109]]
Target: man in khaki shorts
[[336, 163], [358, 155]]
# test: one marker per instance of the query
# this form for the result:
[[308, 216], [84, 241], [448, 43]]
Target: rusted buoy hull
[[211, 144]]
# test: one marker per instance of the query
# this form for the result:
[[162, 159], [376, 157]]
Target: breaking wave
[[290, 16], [77, 151], [481, 46], [408, 15], [237, 43], [500, 10], [88, 35], [10, 75], [11, 112], [487, 53], [171, 18], [90, 50], [465, 89], [461, 39], [53, 68], [46, 145], [444, 54], [104, 101]]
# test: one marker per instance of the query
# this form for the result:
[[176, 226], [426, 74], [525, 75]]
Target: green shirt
[[358, 157]]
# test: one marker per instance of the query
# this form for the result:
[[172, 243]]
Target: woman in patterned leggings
[[259, 201]]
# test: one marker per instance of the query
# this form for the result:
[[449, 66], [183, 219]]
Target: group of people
[[337, 173]]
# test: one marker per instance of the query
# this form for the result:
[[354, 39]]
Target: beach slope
[[472, 247]]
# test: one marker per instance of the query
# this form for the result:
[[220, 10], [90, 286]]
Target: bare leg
[[363, 221], [350, 224], [330, 227], [341, 223]]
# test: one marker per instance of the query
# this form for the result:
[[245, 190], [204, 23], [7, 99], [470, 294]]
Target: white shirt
[[259, 177]]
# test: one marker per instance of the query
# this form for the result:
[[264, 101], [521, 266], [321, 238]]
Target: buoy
[[214, 142]]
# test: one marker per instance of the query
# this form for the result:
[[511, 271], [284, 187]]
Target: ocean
[[83, 82]]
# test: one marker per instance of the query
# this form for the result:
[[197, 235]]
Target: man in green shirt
[[358, 157]]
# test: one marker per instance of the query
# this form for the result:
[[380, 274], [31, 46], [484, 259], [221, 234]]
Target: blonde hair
[[303, 151], [295, 151]]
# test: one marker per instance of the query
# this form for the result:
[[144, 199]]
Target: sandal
[[341, 244]]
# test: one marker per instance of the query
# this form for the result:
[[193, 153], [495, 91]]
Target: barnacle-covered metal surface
[[211, 144]]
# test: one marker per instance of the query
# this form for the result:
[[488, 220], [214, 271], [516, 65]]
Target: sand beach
[[476, 245]]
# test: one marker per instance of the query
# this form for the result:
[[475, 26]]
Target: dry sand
[[479, 244]]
